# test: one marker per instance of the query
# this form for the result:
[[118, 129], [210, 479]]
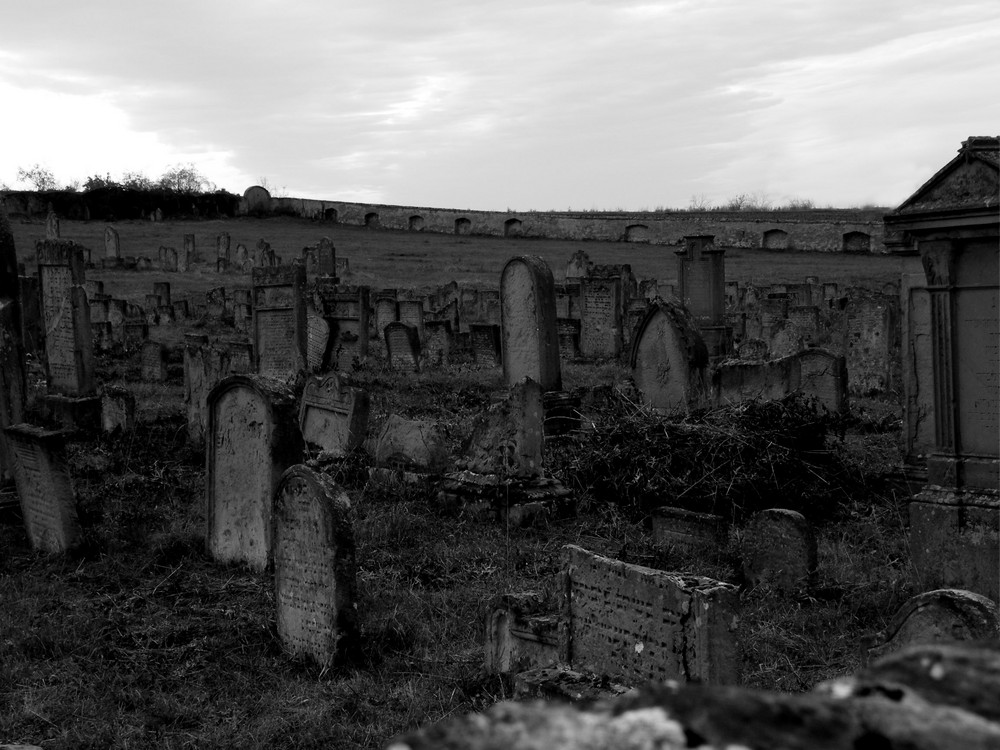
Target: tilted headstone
[[403, 347], [529, 340], [332, 415], [411, 312], [669, 360], [640, 625], [437, 349], [780, 550], [112, 243], [44, 486], [318, 343], [69, 342], [280, 335], [601, 317], [314, 566], [252, 437], [941, 616]]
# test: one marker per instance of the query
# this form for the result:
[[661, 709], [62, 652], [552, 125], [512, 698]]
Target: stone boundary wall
[[823, 230]]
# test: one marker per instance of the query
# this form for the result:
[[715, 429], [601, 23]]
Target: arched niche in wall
[[371, 220], [513, 228], [775, 239], [463, 226], [330, 214], [857, 242], [416, 223], [637, 233]]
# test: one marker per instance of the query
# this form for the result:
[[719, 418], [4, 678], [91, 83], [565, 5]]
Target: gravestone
[[601, 317], [180, 309], [578, 267], [112, 243], [51, 226], [568, 331], [437, 349], [411, 312], [69, 342], [870, 348], [752, 349], [780, 550], [639, 625], [279, 321], [485, 344], [701, 282], [187, 257], [44, 487], [386, 312], [412, 445], [529, 341], [508, 439], [244, 261], [669, 360], [222, 246], [403, 347], [688, 532], [346, 308], [314, 566], [252, 437], [31, 311], [117, 409], [941, 616], [333, 415], [168, 259], [317, 343], [154, 362], [162, 291], [823, 374], [326, 258]]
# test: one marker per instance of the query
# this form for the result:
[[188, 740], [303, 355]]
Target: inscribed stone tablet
[[252, 439], [403, 345], [669, 360], [44, 487], [112, 243], [637, 624], [332, 415], [314, 565], [485, 344], [279, 321], [601, 318], [69, 345], [780, 550]]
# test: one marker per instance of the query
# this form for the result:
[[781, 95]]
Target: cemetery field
[[137, 640], [424, 261]]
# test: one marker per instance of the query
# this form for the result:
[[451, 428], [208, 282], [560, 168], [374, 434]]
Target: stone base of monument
[[516, 501], [521, 635], [561, 412], [955, 539], [565, 685], [390, 475], [72, 412], [111, 263], [718, 340]]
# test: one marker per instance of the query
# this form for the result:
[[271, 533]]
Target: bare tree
[[38, 176]]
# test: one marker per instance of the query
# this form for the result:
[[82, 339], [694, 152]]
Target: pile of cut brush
[[731, 461]]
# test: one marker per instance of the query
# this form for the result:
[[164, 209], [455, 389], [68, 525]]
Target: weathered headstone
[[412, 445], [508, 439], [640, 625], [252, 438], [437, 349], [823, 374], [69, 342], [51, 226], [669, 360], [317, 343], [601, 317], [486, 344], [568, 331], [941, 616], [13, 325], [332, 415], [780, 550], [222, 246], [411, 312], [689, 532], [326, 258], [117, 409], [403, 347], [279, 321], [578, 267], [386, 312], [154, 362], [44, 487], [529, 340], [314, 566], [112, 243], [187, 256]]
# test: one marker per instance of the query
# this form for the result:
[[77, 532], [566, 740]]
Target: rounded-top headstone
[[529, 338], [669, 359], [314, 565], [780, 550]]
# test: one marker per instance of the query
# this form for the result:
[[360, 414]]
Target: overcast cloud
[[494, 105]]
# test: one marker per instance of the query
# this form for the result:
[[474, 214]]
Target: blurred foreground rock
[[932, 697]]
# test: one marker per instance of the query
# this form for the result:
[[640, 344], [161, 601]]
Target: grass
[[138, 641]]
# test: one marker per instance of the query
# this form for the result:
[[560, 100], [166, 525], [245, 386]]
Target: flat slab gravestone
[[332, 415], [44, 487], [252, 438], [637, 625], [314, 566], [780, 550]]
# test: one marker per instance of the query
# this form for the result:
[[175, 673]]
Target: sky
[[504, 104]]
